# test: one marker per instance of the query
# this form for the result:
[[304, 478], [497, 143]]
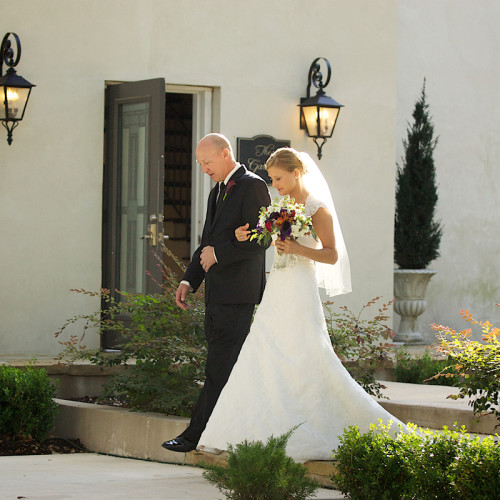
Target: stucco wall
[[258, 53], [455, 45]]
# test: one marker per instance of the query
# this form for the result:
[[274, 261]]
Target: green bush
[[476, 365], [416, 464], [26, 405], [421, 370], [164, 347], [361, 344], [258, 471]]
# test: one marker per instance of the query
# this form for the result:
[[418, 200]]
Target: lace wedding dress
[[287, 373]]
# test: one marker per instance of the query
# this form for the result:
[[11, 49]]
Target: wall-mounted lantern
[[14, 89], [318, 114]]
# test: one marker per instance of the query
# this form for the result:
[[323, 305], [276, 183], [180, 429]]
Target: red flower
[[229, 186], [269, 225]]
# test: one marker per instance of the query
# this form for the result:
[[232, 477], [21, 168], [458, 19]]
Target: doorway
[[178, 175], [153, 192]]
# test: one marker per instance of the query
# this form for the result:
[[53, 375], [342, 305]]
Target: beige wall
[[455, 45], [258, 53]]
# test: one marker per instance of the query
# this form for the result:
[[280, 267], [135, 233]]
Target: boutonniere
[[229, 186]]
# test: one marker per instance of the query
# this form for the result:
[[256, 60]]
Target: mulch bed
[[100, 400], [28, 446]]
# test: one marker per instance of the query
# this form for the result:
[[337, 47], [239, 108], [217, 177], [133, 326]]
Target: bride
[[287, 372]]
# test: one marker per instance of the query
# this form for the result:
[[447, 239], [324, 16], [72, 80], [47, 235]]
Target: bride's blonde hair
[[287, 159]]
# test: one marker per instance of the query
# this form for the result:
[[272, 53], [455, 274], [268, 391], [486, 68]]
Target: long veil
[[336, 279]]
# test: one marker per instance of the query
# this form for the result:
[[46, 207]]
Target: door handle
[[155, 233], [152, 235]]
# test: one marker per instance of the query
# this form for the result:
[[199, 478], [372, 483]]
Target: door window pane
[[132, 207]]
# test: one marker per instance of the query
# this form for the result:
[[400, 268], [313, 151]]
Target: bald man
[[234, 273]]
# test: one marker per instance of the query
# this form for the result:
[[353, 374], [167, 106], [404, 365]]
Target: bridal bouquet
[[282, 219]]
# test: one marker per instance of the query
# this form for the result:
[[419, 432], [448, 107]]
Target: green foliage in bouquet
[[417, 235], [27, 408], [163, 351], [258, 471], [361, 344], [476, 365], [418, 463]]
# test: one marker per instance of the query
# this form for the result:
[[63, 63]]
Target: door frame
[[203, 124]]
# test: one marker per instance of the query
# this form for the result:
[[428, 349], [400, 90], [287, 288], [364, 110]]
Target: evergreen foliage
[[27, 408], [422, 369], [258, 471], [416, 234], [416, 464]]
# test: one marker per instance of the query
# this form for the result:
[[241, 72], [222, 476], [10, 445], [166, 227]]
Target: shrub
[[416, 235], [258, 471], [27, 408], [476, 365], [163, 351], [421, 370], [360, 343], [416, 464], [369, 463]]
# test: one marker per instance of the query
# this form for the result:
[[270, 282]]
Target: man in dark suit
[[234, 273]]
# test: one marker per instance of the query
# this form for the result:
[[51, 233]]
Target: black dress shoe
[[179, 444]]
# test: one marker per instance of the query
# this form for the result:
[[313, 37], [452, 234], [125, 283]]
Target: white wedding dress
[[287, 373]]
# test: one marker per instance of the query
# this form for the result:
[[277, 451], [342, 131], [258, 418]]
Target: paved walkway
[[90, 476], [98, 477]]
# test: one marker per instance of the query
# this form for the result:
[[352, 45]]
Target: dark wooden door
[[133, 188]]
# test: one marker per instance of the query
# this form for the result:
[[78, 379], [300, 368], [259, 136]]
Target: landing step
[[121, 432]]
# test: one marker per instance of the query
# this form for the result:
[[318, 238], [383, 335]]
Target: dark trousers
[[226, 328]]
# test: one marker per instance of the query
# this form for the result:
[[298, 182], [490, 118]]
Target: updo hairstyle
[[287, 159]]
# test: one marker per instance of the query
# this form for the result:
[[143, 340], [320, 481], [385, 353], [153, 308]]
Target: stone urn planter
[[409, 291]]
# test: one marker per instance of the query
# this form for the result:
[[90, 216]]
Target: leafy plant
[[258, 471], [421, 370], [416, 463], [27, 408], [417, 235], [361, 344], [163, 352], [475, 364]]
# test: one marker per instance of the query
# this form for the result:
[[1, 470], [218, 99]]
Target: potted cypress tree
[[417, 234]]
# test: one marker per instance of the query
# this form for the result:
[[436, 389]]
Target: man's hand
[[207, 258], [180, 296]]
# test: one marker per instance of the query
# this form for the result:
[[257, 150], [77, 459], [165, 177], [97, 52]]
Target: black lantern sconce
[[14, 89], [318, 114]]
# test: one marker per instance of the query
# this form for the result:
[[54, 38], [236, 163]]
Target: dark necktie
[[217, 199], [220, 196]]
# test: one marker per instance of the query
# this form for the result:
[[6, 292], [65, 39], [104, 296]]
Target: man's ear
[[225, 153]]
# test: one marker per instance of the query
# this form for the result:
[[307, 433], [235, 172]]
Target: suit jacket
[[239, 275]]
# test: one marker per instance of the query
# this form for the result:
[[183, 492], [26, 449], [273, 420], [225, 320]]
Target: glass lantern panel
[[311, 119], [327, 119], [16, 101]]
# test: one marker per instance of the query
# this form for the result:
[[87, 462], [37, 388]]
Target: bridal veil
[[336, 279]]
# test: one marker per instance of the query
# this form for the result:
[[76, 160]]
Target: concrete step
[[121, 432]]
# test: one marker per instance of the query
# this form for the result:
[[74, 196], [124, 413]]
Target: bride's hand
[[287, 246], [242, 233]]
